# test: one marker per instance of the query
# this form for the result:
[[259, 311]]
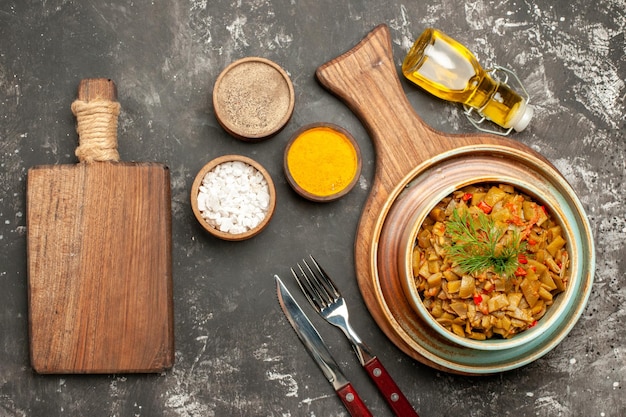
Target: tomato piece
[[486, 208], [520, 272]]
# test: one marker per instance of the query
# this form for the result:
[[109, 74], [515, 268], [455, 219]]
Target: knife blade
[[316, 347]]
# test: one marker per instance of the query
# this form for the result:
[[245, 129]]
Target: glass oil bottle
[[448, 70]]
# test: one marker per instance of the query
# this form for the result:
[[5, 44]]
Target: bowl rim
[[553, 313], [311, 196], [209, 166]]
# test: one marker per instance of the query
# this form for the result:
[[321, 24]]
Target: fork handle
[[386, 385], [353, 403]]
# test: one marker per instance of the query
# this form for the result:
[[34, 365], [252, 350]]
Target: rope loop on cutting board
[[97, 130]]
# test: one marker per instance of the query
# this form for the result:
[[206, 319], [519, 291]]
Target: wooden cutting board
[[99, 253], [366, 79]]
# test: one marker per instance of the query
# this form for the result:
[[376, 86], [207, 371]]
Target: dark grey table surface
[[236, 355]]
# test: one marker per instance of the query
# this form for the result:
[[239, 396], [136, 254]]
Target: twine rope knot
[[97, 130]]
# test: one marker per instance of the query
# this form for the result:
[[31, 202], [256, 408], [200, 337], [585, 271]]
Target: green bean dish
[[489, 261]]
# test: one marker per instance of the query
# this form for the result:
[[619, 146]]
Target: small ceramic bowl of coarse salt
[[233, 197]]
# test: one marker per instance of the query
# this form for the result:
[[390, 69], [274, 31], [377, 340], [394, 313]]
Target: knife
[[317, 349]]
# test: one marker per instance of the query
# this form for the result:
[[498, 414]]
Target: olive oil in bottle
[[446, 69]]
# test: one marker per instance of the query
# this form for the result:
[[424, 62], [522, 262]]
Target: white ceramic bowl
[[554, 313]]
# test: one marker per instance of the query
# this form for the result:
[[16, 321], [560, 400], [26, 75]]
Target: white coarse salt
[[234, 197]]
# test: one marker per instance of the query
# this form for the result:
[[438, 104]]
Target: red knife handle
[[354, 404], [394, 397]]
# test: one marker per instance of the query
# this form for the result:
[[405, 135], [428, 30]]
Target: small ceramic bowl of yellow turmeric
[[322, 162]]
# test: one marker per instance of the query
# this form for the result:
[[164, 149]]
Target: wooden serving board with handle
[[99, 254], [366, 79]]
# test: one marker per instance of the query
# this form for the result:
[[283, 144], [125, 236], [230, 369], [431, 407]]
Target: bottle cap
[[522, 117]]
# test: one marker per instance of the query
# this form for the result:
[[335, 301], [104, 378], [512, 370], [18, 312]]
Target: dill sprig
[[478, 245]]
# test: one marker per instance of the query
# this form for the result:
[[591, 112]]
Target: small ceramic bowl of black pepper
[[233, 197], [253, 99]]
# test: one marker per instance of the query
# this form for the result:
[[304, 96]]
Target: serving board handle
[[366, 80]]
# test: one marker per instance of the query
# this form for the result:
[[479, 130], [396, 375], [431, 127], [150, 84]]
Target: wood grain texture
[[99, 261], [99, 264], [97, 89], [366, 79]]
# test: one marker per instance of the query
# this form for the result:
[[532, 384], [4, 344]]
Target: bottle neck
[[497, 102]]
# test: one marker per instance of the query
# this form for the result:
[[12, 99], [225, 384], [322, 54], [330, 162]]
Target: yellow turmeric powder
[[322, 161]]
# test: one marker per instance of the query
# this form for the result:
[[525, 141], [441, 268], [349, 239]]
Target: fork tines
[[316, 285]]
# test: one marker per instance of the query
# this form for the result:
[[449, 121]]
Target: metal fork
[[324, 296]]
